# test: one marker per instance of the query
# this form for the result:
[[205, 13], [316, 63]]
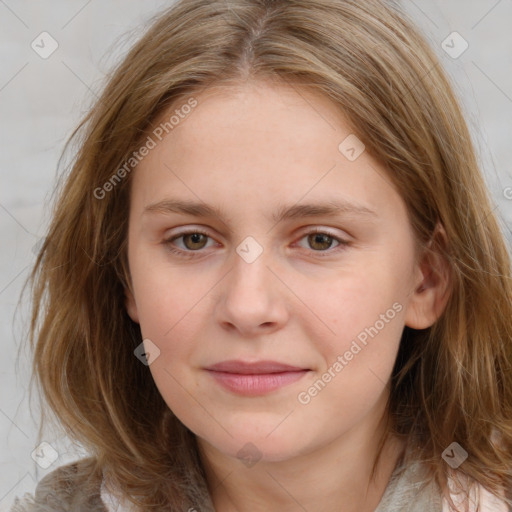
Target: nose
[[252, 299]]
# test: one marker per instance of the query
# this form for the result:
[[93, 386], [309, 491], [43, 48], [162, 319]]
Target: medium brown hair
[[451, 382]]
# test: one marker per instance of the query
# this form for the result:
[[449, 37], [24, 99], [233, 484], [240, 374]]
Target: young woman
[[273, 279]]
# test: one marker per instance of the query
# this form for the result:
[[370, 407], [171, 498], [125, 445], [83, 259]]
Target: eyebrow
[[331, 208]]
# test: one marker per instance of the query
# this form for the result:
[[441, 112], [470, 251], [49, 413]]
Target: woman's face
[[256, 170]]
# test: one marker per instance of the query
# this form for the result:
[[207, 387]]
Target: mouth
[[257, 378]]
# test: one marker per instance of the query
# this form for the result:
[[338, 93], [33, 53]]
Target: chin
[[252, 449]]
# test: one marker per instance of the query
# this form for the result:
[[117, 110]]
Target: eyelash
[[191, 254]]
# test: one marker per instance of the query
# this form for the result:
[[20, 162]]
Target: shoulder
[[73, 487]]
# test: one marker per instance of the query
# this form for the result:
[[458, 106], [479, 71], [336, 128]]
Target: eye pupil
[[195, 238], [320, 238]]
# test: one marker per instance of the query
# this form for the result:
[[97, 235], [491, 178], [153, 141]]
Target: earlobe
[[432, 292], [131, 306]]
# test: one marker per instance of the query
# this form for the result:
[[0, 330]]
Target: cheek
[[165, 294], [367, 316], [172, 305], [357, 306]]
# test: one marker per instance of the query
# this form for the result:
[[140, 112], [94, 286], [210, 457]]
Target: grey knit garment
[[63, 490], [409, 490], [60, 491]]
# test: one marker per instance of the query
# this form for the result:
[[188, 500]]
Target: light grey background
[[41, 101]]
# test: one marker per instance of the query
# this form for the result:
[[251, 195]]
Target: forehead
[[282, 111], [259, 140]]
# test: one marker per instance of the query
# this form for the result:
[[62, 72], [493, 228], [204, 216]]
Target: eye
[[321, 241], [193, 241]]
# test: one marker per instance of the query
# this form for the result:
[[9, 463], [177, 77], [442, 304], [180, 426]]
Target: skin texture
[[249, 150]]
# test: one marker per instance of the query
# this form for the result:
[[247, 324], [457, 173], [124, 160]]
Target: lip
[[257, 367], [258, 378]]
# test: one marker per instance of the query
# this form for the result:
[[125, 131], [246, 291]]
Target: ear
[[432, 290], [131, 306]]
